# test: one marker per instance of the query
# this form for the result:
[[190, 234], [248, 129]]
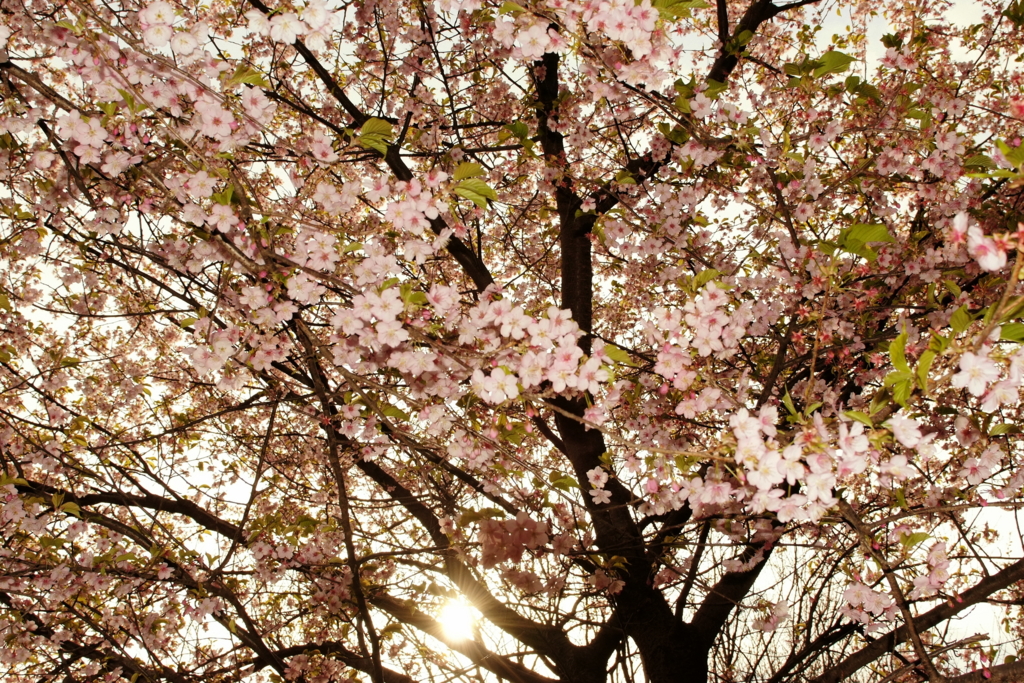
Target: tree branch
[[867, 542], [149, 501], [339, 652], [472, 265], [476, 652], [933, 617], [725, 595]]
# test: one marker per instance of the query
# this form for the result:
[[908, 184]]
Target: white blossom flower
[[976, 373]]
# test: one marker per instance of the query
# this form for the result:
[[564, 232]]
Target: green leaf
[[51, 542], [624, 178], [515, 435], [924, 365], [892, 40], [856, 238], [562, 481], [980, 161], [618, 355], [373, 142], [961, 320], [129, 100], [716, 88], [248, 76], [1000, 429], [1012, 332], [901, 499], [395, 413], [470, 515], [901, 392], [704, 277], [800, 69], [868, 233], [787, 401], [1014, 310], [224, 197], [476, 191], [467, 169], [72, 509], [518, 129], [911, 541], [895, 377], [938, 343], [1015, 13], [674, 133], [375, 134], [832, 62], [1015, 155], [686, 90], [868, 91], [897, 352], [678, 9], [863, 418], [508, 7], [376, 127]]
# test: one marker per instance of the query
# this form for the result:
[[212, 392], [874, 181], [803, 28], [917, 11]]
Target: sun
[[457, 619]]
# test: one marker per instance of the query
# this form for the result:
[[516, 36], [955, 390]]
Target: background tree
[[665, 342]]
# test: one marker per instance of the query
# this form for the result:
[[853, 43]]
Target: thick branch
[[726, 595], [933, 617], [868, 543], [1002, 673], [574, 240], [546, 639], [817, 646], [337, 651], [149, 501], [757, 13], [476, 652]]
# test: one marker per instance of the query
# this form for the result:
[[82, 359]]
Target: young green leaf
[[476, 191], [961, 320], [833, 62], [467, 169]]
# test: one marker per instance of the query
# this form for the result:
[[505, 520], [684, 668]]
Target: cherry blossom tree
[[659, 341]]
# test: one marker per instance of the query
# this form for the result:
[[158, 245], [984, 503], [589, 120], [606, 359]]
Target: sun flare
[[457, 620]]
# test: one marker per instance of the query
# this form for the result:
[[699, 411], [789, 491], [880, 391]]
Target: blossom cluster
[[313, 24], [507, 540], [868, 606], [926, 585]]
